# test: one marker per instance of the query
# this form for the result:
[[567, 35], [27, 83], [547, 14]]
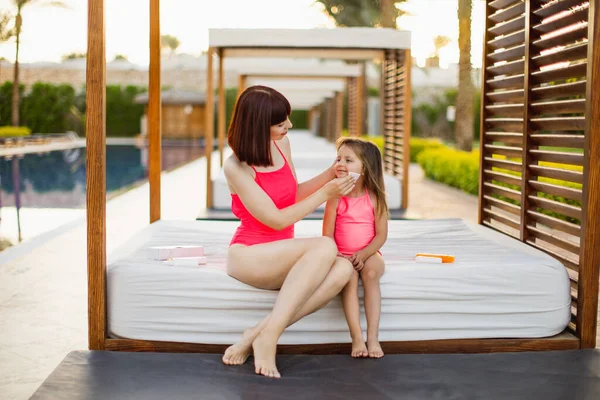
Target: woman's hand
[[339, 187]]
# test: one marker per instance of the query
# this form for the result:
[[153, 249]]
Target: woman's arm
[[329, 217], [310, 186], [260, 205]]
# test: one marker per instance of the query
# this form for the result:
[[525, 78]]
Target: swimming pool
[[52, 190], [57, 179]]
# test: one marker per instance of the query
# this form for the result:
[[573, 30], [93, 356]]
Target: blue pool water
[[57, 179]]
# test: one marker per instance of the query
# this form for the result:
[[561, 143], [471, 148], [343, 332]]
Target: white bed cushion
[[498, 287]]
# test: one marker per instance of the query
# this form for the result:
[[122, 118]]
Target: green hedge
[[417, 145], [461, 170], [49, 108], [12, 131], [455, 168]]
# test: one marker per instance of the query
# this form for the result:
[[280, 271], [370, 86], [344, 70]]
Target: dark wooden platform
[[554, 375]]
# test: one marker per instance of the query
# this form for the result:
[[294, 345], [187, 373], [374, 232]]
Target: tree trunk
[[15, 92], [388, 19], [464, 99]]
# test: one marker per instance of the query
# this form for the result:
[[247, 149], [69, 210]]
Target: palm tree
[[464, 99], [170, 42], [20, 4], [354, 13], [6, 32], [363, 12]]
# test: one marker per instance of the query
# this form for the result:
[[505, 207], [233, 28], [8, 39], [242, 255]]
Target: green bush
[[461, 170], [455, 168], [418, 145], [11, 131], [48, 108]]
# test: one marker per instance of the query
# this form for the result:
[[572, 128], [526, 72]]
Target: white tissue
[[354, 175]]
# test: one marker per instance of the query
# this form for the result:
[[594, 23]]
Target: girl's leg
[[370, 275], [298, 266], [352, 312], [331, 286]]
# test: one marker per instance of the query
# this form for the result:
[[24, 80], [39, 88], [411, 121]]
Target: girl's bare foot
[[359, 348], [374, 347], [238, 353], [265, 349]]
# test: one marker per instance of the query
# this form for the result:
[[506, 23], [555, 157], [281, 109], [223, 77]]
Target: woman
[[267, 199]]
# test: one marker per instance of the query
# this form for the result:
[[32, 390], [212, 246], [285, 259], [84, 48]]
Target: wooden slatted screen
[[396, 116], [352, 88], [533, 129]]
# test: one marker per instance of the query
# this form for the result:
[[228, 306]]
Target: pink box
[[165, 252]]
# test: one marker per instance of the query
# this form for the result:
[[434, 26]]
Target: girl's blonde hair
[[370, 156]]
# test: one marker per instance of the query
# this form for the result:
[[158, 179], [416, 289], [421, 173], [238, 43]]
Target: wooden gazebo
[[332, 108], [528, 110], [329, 107], [389, 46]]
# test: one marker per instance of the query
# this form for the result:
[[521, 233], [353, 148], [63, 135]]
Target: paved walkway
[[43, 284]]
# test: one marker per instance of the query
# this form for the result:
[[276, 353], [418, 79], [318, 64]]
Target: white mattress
[[498, 287]]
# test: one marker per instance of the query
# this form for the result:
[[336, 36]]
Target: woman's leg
[[371, 275], [332, 285], [352, 312], [299, 266]]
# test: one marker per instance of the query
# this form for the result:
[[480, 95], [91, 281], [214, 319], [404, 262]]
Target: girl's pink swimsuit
[[281, 186], [354, 224]]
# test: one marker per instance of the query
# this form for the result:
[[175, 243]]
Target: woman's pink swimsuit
[[281, 187], [354, 224]]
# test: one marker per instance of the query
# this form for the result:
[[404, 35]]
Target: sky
[[51, 32]]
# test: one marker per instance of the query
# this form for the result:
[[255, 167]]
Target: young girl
[[358, 224]]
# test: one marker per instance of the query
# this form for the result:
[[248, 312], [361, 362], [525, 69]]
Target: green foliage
[[122, 115], [6, 101], [47, 108], [418, 145], [461, 170], [12, 131], [73, 56], [453, 167]]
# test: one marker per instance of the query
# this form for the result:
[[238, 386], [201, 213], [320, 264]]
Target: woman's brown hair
[[256, 110], [370, 156]]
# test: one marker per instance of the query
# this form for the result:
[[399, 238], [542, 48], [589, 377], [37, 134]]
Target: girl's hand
[[358, 260], [339, 187]]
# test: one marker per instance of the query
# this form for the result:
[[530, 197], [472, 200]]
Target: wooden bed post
[[359, 105], [210, 121], [484, 77], [339, 126], [407, 101], [589, 256], [154, 112], [222, 115], [351, 88], [96, 174]]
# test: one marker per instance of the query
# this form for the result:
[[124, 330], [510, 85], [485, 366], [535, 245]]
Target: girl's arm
[[329, 217], [305, 189], [381, 232], [260, 205]]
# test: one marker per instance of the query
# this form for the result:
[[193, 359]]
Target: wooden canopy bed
[[523, 114]]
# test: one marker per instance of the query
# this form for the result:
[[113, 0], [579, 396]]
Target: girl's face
[[280, 130], [347, 161]]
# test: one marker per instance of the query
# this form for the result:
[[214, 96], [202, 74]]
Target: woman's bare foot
[[265, 349], [238, 353], [374, 347], [359, 348]]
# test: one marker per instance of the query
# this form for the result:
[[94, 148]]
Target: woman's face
[[280, 130], [347, 161]]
